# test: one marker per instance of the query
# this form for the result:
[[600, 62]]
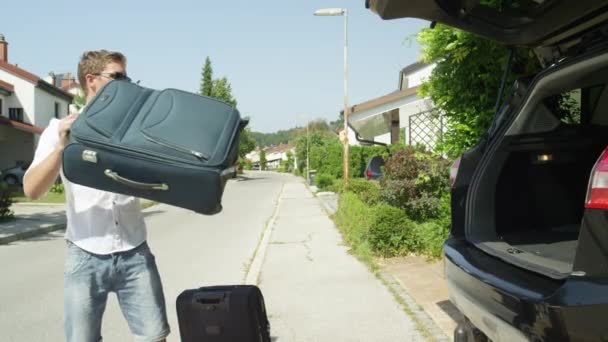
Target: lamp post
[[307, 119], [342, 12]]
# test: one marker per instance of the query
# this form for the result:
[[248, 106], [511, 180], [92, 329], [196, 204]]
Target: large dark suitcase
[[168, 146], [234, 313]]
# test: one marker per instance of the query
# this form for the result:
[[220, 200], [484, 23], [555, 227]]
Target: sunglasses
[[114, 75]]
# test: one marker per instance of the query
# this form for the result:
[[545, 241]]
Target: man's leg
[[140, 294], [85, 295]]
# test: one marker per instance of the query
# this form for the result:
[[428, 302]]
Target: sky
[[284, 64]]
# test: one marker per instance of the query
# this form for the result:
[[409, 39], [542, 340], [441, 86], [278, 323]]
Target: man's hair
[[94, 62]]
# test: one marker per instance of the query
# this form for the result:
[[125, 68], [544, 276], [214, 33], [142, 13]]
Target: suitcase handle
[[210, 297], [143, 186]]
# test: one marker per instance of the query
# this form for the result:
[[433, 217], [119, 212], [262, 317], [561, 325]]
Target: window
[[56, 110], [1, 106], [15, 114], [577, 106]]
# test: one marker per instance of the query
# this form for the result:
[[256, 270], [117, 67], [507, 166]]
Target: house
[[274, 156], [66, 82], [400, 116], [27, 104]]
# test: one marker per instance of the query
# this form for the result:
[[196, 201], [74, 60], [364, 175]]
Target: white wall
[[418, 77], [45, 108], [384, 138], [4, 108], [352, 137], [23, 97]]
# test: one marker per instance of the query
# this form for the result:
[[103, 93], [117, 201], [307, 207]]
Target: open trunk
[[529, 201]]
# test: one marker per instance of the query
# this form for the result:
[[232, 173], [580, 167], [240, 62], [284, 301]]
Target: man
[[106, 234]]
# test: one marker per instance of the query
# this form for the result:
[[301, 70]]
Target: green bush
[[428, 237], [353, 218], [57, 188], [390, 232], [324, 181], [337, 186], [247, 164], [5, 202], [367, 190], [327, 156], [415, 181]]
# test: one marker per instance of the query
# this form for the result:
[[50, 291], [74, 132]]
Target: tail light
[[454, 171], [368, 174], [597, 194]]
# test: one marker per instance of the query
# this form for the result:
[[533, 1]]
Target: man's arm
[[44, 170]]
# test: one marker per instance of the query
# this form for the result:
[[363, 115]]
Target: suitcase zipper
[[199, 155], [104, 145]]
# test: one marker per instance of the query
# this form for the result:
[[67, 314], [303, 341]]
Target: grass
[[50, 197]]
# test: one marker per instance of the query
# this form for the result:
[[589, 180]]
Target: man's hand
[[64, 129]]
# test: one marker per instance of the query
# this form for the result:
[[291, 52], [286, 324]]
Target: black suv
[[527, 257]]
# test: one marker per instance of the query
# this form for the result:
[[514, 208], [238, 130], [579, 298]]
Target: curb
[[32, 204], [413, 308], [254, 270], [31, 233]]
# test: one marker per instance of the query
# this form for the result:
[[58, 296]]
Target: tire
[[11, 180]]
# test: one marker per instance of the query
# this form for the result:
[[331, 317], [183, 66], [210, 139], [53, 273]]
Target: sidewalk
[[425, 282], [316, 290], [421, 281], [32, 220]]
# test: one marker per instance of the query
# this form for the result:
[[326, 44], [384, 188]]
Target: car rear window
[[579, 106]]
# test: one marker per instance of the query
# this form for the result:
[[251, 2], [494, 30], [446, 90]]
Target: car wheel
[[11, 180]]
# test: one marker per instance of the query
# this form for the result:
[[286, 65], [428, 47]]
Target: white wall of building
[[3, 107], [384, 138], [23, 97], [45, 108], [418, 77]]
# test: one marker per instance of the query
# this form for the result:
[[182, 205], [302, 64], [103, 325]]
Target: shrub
[[324, 181], [368, 191], [428, 237], [415, 181], [5, 202], [390, 231], [57, 188], [247, 164], [353, 219], [337, 186]]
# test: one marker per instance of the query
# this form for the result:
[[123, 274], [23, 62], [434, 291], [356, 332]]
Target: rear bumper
[[510, 304]]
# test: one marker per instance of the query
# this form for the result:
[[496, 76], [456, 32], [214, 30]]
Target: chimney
[[3, 49], [53, 78], [67, 80]]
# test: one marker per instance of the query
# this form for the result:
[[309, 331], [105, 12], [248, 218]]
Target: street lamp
[[342, 12], [307, 146]]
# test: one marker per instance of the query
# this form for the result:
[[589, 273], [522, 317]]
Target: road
[[314, 289]]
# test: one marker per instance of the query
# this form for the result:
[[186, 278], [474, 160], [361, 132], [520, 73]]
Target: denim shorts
[[132, 275]]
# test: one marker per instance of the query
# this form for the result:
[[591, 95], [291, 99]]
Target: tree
[[262, 160], [222, 90], [464, 84], [246, 143], [79, 101], [207, 78]]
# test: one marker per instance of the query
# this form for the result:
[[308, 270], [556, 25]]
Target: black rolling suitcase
[[168, 146], [223, 314]]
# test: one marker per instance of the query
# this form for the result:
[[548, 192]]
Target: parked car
[[14, 175], [527, 256], [373, 170]]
